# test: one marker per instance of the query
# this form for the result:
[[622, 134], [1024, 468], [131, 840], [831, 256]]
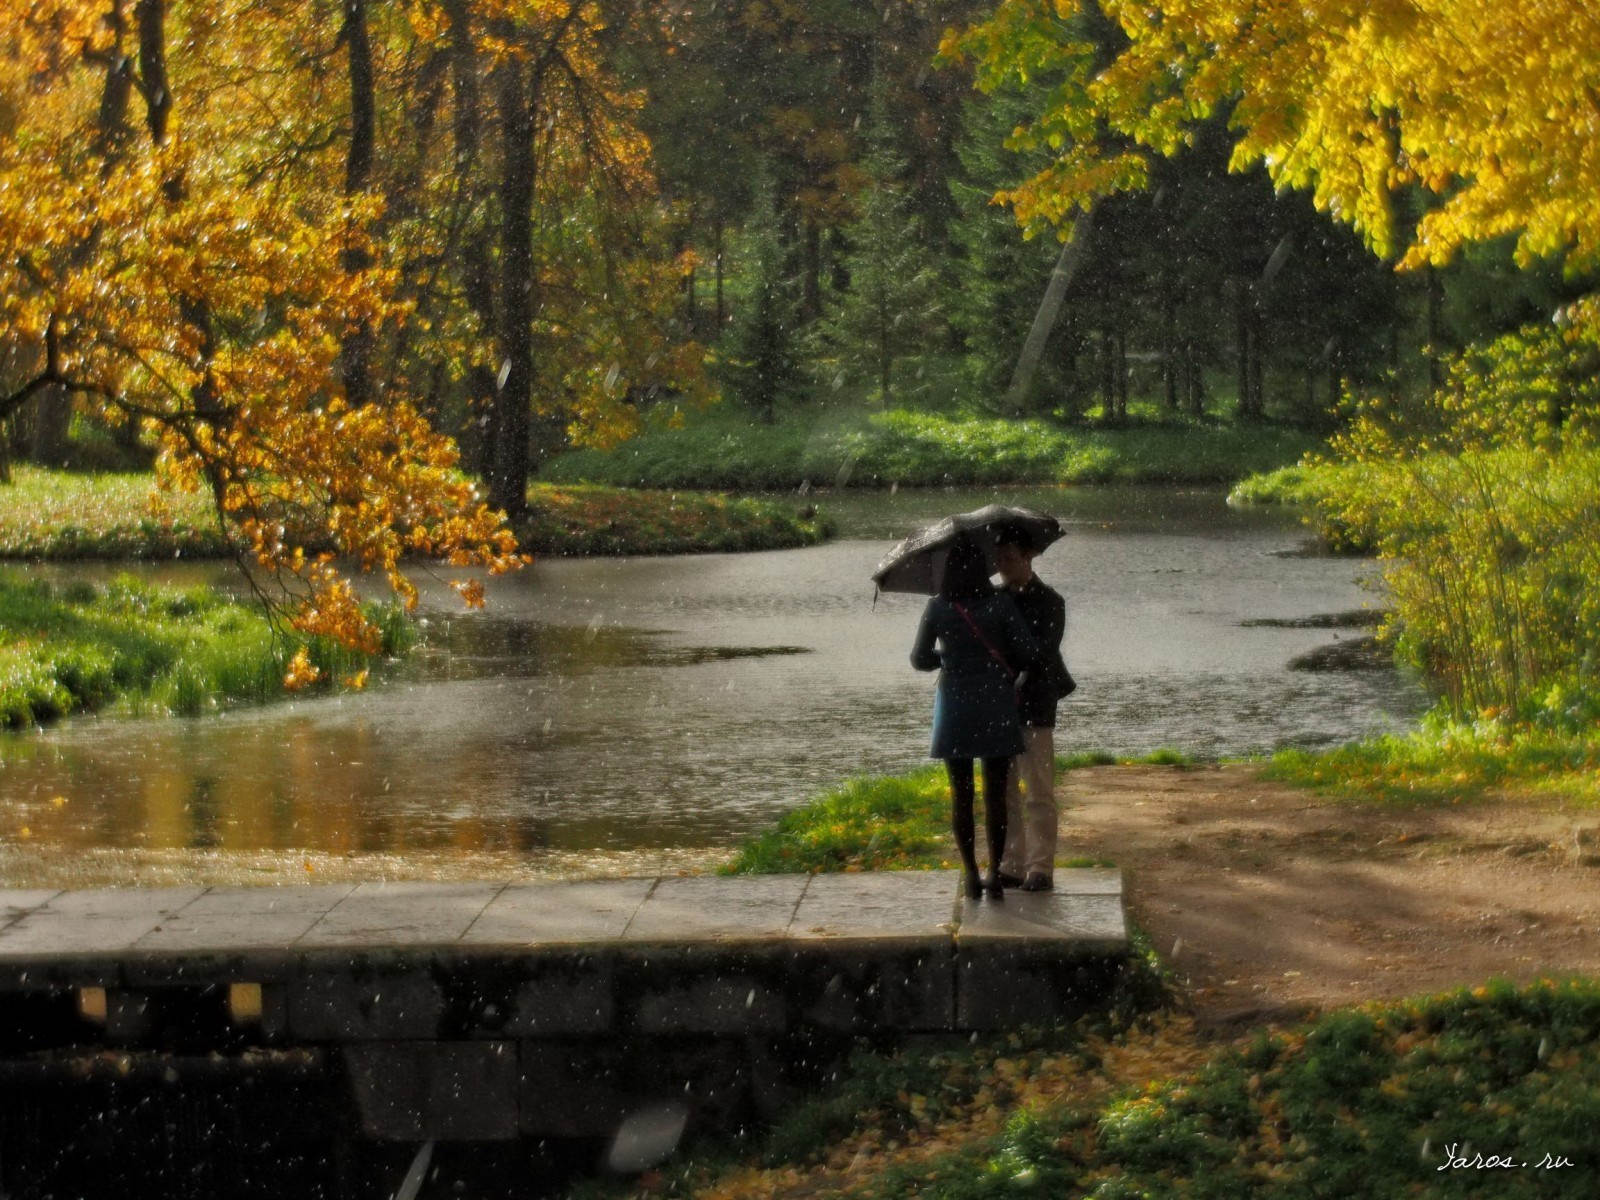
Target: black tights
[[962, 796]]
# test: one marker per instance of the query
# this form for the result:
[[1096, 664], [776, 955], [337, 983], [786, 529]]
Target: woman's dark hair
[[1015, 535], [966, 572]]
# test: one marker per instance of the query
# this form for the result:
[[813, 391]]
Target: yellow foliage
[[1487, 104]]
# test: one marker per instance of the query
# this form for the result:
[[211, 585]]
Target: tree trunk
[[721, 311], [811, 282], [1258, 355], [1435, 347], [1049, 308], [152, 19], [1194, 380], [1241, 332], [1169, 340], [477, 250], [113, 133], [356, 353], [508, 484], [1122, 374], [52, 418]]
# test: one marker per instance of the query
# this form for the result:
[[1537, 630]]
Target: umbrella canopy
[[917, 564]]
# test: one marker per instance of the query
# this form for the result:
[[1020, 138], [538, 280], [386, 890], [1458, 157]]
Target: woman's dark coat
[[975, 708]]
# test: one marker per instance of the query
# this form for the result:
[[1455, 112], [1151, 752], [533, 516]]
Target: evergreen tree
[[996, 277], [762, 363], [888, 310]]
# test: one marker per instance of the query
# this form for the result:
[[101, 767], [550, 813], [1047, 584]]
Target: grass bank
[[882, 823], [922, 449], [1368, 1103], [80, 648], [60, 515], [589, 519], [1450, 763]]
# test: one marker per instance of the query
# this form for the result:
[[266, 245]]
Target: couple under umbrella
[[998, 654]]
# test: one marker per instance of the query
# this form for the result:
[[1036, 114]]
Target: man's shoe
[[1009, 881], [1038, 881]]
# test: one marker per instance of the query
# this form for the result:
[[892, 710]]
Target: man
[[1031, 818]]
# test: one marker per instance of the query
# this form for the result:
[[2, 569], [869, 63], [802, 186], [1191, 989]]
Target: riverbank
[[904, 448], [61, 516], [80, 648], [1350, 996]]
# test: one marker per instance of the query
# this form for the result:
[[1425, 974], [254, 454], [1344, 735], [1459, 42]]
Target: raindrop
[[500, 379], [611, 375], [412, 1184], [1177, 945], [549, 723], [838, 381]]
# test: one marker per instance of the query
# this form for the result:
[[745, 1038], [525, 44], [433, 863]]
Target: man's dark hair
[[966, 572], [1015, 535]]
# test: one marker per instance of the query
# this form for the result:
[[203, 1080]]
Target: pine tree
[[997, 277], [762, 363], [889, 309]]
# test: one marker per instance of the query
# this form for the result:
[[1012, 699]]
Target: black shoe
[[1038, 881], [973, 888], [994, 890], [1010, 881]]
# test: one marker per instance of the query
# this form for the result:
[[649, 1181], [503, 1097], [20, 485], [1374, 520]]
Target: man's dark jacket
[[1046, 614]]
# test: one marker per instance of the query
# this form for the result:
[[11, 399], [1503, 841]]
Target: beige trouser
[[1031, 817]]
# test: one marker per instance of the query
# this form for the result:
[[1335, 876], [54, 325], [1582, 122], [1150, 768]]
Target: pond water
[[631, 714]]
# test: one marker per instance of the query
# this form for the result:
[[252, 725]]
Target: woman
[[982, 643]]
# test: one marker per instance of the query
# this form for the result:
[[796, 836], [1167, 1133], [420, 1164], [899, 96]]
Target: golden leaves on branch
[[1487, 104], [186, 287]]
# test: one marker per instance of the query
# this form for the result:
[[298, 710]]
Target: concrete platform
[[540, 1008], [51, 930]]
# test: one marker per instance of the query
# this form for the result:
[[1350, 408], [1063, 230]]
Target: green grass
[[906, 448], [1363, 1104], [882, 823], [585, 519], [46, 514], [1449, 763], [79, 648]]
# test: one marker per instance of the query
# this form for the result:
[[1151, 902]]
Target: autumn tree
[[1487, 105], [163, 260]]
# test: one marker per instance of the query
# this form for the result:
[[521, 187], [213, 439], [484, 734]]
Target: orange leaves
[[202, 286]]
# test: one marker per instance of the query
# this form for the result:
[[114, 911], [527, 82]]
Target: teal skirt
[[975, 716]]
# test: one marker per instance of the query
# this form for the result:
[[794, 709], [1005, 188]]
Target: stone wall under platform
[[491, 1012]]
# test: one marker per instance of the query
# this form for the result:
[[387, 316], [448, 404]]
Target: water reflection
[[626, 711]]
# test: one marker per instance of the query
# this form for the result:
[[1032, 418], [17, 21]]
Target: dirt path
[[1268, 902]]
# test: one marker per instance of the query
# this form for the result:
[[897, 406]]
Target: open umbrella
[[917, 563]]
